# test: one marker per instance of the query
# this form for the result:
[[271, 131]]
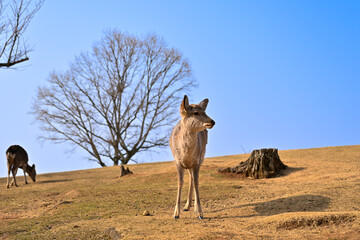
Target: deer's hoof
[[7, 186], [176, 217], [201, 217], [26, 182], [185, 209]]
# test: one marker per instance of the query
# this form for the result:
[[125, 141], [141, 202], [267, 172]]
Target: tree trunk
[[101, 163], [262, 163], [124, 171]]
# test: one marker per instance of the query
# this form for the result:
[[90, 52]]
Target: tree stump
[[262, 163], [124, 171]]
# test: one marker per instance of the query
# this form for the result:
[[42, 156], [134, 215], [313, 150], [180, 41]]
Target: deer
[[188, 144], [17, 157]]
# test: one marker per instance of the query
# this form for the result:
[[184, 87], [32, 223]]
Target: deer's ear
[[203, 104], [33, 165], [184, 107]]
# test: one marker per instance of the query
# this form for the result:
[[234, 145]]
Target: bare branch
[[116, 100], [9, 64], [15, 17]]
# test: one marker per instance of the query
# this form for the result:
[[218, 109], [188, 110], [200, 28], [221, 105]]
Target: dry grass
[[317, 197]]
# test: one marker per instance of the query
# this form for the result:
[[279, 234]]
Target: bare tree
[[15, 17], [116, 100]]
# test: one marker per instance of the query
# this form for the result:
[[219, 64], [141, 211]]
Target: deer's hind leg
[[14, 172], [8, 177]]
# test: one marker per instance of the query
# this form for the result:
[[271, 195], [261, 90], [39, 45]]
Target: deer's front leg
[[190, 195], [24, 168], [180, 171], [195, 175]]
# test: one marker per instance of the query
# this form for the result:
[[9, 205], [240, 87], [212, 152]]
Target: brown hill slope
[[317, 197]]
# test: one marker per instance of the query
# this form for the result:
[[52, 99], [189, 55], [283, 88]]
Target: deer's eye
[[196, 113]]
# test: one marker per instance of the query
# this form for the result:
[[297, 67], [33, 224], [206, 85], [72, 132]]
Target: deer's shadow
[[54, 181], [302, 203]]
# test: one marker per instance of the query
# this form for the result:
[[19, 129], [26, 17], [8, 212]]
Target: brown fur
[[17, 157], [188, 143]]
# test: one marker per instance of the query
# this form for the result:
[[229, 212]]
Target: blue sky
[[281, 74]]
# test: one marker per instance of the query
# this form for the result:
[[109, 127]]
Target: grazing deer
[[188, 142], [17, 158]]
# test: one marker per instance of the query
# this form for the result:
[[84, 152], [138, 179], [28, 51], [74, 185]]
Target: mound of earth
[[316, 221]]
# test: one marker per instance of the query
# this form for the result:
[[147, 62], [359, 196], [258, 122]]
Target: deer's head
[[193, 116], [32, 172]]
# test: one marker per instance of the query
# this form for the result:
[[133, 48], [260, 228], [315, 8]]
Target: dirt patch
[[36, 206], [73, 194], [112, 234], [223, 235], [316, 221], [60, 199]]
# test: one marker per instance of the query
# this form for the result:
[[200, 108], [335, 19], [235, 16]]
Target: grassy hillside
[[317, 197]]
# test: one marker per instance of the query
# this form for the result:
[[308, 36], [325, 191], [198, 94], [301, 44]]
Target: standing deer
[[188, 142], [17, 158]]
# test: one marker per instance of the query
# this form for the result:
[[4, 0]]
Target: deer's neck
[[28, 169], [188, 138]]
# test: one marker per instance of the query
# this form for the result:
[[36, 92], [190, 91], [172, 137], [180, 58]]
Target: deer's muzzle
[[210, 125]]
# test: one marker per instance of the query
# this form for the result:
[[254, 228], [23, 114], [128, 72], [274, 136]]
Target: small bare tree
[[15, 17], [116, 100]]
